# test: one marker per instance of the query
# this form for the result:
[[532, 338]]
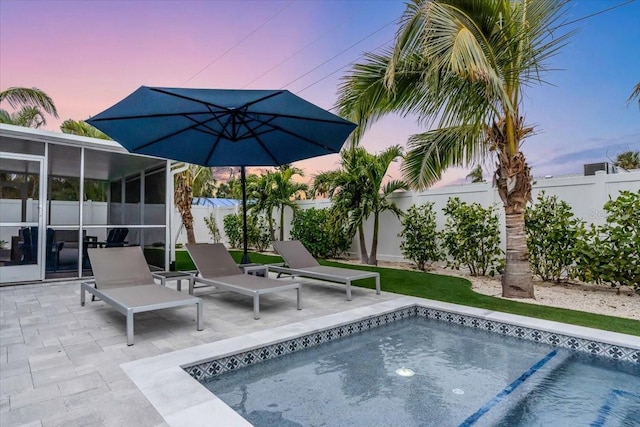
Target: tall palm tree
[[628, 160], [29, 104], [358, 191], [286, 191], [463, 65], [260, 190], [195, 180]]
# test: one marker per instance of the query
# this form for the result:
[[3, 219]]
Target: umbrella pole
[[243, 181]]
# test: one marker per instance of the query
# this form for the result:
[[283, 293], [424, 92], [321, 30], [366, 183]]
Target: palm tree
[[635, 94], [195, 180], [285, 191], [464, 64], [82, 128], [357, 192], [628, 160], [476, 174], [29, 104], [260, 190]]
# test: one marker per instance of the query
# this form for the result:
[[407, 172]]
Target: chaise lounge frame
[[300, 263], [216, 268], [123, 280]]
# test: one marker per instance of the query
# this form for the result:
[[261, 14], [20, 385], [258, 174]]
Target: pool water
[[461, 376]]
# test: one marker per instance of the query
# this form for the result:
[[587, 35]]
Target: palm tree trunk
[[282, 223], [364, 258], [373, 258], [183, 199], [513, 179]]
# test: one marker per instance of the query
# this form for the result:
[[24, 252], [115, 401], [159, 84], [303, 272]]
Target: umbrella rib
[[188, 98], [195, 125], [215, 144], [264, 147], [304, 138]]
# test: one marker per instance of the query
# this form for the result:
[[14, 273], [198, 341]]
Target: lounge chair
[[299, 262], [122, 279], [217, 268]]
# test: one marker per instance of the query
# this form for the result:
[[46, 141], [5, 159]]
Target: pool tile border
[[206, 370]]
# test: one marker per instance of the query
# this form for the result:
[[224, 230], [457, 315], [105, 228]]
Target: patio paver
[[60, 362]]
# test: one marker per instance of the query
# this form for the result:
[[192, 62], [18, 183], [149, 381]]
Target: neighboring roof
[[215, 202]]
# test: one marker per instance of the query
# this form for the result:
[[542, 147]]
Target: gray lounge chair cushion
[[213, 260], [119, 267], [295, 254]]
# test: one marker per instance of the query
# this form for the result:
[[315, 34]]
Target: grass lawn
[[454, 290]]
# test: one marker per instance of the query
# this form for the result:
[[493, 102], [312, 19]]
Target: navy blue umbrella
[[223, 127]]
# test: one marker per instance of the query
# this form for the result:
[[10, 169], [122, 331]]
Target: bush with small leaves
[[471, 238], [212, 226], [232, 224], [610, 253], [551, 236], [322, 234], [419, 236], [258, 235]]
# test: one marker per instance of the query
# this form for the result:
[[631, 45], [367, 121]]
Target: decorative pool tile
[[206, 370]]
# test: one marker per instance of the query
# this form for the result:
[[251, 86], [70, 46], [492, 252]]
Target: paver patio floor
[[60, 362]]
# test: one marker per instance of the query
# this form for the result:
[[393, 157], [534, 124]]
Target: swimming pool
[[169, 382], [418, 371]]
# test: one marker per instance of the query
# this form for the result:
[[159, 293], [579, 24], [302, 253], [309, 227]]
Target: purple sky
[[87, 55]]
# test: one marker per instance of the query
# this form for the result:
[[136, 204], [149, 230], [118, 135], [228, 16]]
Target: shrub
[[471, 238], [212, 226], [419, 236], [258, 235], [232, 224], [610, 253], [552, 231], [323, 234]]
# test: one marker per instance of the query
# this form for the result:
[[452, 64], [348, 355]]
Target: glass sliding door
[[26, 246]]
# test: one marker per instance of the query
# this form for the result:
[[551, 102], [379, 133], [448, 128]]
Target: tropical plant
[[419, 236], [260, 190], [324, 235], [232, 224], [212, 226], [476, 174], [628, 160], [285, 191], [357, 191], [552, 231], [608, 254], [464, 64], [471, 238], [82, 128], [30, 105]]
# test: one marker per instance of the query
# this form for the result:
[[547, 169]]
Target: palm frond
[[19, 97], [432, 152]]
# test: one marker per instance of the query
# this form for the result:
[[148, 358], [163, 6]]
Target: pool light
[[405, 372]]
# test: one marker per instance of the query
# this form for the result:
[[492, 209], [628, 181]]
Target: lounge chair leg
[[299, 291], [129, 326], [82, 296], [378, 284], [199, 315], [256, 306], [349, 290]]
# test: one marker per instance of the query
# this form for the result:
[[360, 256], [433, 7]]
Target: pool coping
[[182, 401]]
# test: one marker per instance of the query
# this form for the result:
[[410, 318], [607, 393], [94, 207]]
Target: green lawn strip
[[455, 290]]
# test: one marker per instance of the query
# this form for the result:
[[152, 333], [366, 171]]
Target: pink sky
[[87, 55]]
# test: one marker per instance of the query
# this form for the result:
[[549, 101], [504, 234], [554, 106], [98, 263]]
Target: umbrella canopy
[[223, 127]]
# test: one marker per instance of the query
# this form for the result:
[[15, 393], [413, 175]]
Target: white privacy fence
[[585, 194]]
